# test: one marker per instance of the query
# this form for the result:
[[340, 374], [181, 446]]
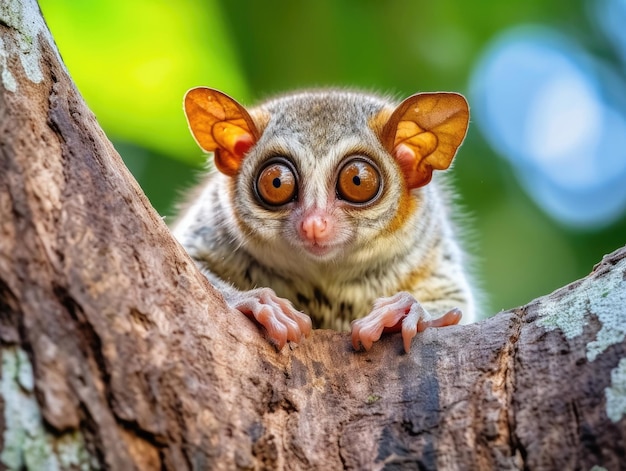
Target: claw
[[280, 319], [452, 317], [399, 312]]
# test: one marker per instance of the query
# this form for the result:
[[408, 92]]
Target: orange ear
[[424, 133], [220, 125]]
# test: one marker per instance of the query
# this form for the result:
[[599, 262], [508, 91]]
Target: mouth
[[319, 251]]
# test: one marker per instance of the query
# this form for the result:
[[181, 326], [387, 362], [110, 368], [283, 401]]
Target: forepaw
[[400, 312], [277, 315]]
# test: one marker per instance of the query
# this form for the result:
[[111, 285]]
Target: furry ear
[[424, 132], [220, 125]]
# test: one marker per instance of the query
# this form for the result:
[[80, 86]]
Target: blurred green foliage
[[133, 61]]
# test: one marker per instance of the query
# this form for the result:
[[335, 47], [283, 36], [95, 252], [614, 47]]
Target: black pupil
[[276, 182], [356, 180]]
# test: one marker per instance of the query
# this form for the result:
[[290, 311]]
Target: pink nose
[[316, 228]]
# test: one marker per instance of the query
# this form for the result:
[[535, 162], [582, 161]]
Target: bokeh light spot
[[539, 99]]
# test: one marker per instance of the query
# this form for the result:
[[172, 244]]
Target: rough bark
[[117, 353]]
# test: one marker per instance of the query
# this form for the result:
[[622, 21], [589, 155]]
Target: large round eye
[[358, 181], [276, 184]]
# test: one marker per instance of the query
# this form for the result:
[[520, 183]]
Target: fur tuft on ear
[[424, 132], [220, 125]]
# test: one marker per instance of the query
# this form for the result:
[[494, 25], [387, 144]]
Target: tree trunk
[[117, 353]]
